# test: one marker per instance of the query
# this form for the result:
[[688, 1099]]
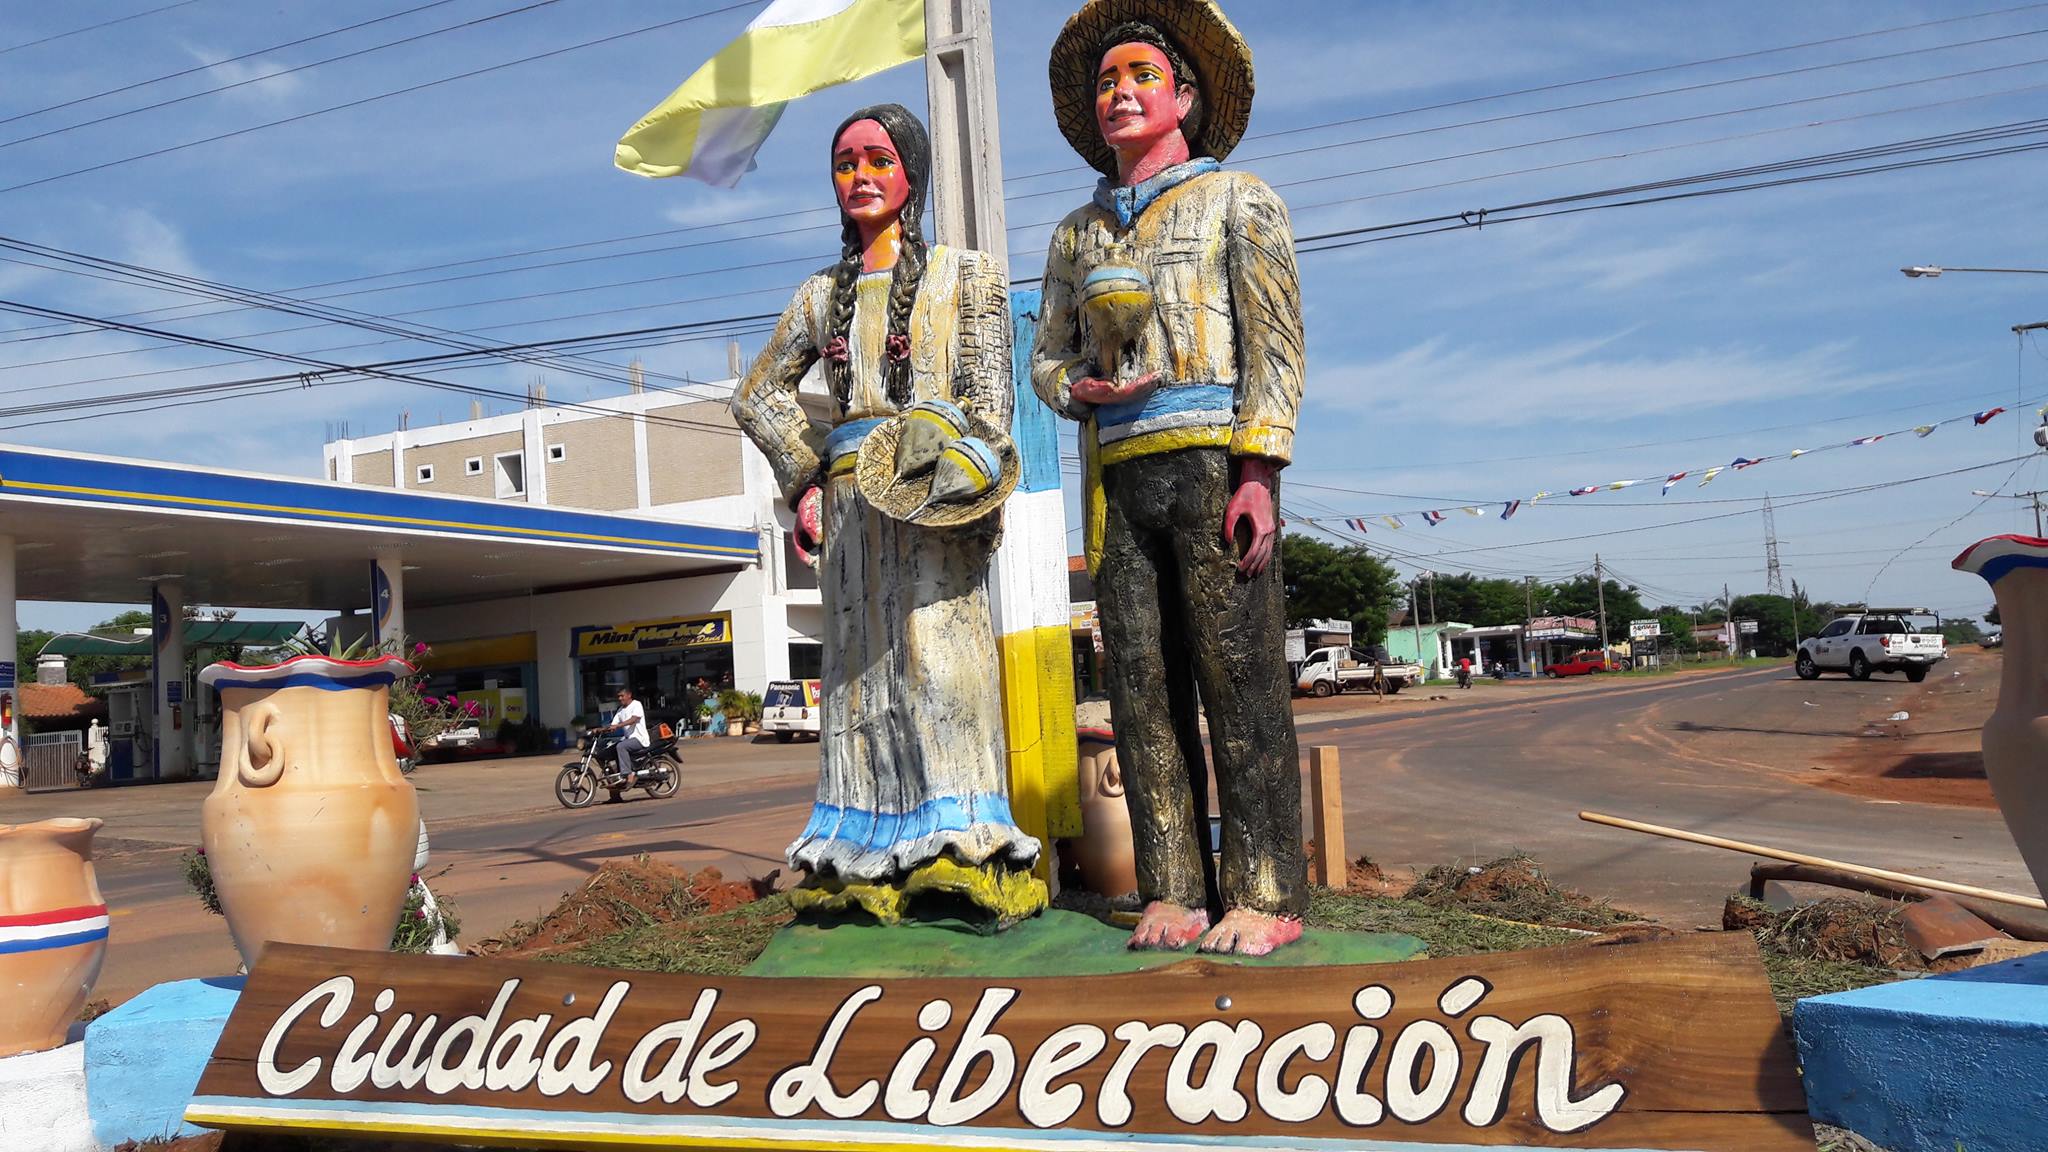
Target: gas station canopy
[[198, 634], [105, 530]]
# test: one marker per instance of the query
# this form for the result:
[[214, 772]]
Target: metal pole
[[1600, 595], [1415, 621]]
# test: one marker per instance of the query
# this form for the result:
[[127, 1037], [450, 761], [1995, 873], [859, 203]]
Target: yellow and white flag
[[711, 127]]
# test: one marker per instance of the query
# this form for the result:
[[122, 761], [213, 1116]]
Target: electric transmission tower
[[1774, 580]]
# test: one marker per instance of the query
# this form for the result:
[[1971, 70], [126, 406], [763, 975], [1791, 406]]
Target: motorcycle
[[579, 781], [1464, 676]]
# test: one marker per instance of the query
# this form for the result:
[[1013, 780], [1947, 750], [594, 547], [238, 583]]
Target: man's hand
[[810, 525], [1097, 391], [1253, 501]]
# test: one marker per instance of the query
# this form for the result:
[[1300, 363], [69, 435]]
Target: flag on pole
[[1670, 480], [1508, 510], [1392, 521], [1869, 439], [1985, 416], [1707, 477], [1434, 518], [712, 125]]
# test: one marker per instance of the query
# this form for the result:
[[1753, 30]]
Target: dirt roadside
[[1935, 756]]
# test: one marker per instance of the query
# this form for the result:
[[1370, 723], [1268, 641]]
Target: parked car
[[1880, 640], [792, 707], [1581, 664], [1993, 640], [1327, 671]]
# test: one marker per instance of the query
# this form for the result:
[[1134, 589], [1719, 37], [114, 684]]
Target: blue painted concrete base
[[143, 1059], [1933, 1065]]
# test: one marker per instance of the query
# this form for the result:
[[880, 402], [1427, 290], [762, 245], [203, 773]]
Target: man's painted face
[[867, 174], [1136, 98]]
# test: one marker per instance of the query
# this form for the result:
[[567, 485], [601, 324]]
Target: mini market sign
[[1665, 1045], [650, 635]]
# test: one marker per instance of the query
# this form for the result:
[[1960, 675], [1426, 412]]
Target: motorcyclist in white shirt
[[632, 718]]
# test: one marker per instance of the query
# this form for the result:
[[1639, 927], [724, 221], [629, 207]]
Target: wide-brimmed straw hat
[[1219, 56], [874, 471]]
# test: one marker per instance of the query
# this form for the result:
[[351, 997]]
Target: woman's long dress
[[913, 765]]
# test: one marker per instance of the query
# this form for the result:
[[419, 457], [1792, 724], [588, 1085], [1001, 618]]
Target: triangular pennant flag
[[1924, 430], [1537, 497], [1508, 510], [1670, 480], [1434, 518], [1475, 510], [1985, 416], [1866, 439], [1392, 521], [1357, 526], [1707, 477], [1618, 485], [1741, 462]]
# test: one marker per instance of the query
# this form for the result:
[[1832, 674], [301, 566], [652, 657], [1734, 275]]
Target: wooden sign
[[1664, 1045]]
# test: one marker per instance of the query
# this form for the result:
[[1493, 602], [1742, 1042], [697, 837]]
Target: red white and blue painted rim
[[308, 672], [56, 928], [1999, 556]]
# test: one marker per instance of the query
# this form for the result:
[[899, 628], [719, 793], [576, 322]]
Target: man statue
[[1171, 327]]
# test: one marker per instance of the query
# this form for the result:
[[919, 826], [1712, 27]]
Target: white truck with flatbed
[[1878, 640], [1340, 668]]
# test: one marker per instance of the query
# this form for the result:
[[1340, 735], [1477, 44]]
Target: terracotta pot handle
[[1111, 782], [262, 747]]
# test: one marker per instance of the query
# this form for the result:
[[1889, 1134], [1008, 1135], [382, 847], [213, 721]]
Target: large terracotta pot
[[2016, 735], [1108, 865], [53, 930], [311, 828]]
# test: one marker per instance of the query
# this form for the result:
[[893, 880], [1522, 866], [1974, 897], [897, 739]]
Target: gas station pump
[[131, 727]]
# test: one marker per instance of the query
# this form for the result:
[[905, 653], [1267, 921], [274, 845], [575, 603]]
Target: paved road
[[1510, 768], [1721, 754]]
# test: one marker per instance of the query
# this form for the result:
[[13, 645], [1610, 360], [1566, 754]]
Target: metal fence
[[50, 761]]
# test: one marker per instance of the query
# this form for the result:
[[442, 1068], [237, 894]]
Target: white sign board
[[1746, 627], [1644, 629]]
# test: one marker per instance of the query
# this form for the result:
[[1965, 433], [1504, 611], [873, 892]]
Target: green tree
[[1991, 617], [1773, 615], [28, 642], [1329, 582], [1481, 600], [1961, 630], [1580, 597]]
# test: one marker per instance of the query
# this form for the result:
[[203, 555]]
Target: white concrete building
[[670, 455]]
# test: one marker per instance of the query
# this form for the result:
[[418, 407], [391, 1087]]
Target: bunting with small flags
[[1670, 481], [1392, 521], [1588, 491], [1872, 439], [1985, 417], [1508, 510], [1434, 517]]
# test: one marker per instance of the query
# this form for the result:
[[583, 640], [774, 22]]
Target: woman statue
[[912, 795]]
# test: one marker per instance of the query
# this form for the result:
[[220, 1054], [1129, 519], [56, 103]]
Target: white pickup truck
[[1331, 670], [1881, 640]]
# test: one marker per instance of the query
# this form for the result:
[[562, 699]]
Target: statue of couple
[[1171, 329]]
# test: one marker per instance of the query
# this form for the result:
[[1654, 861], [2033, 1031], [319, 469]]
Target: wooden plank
[[1326, 807], [1662, 1045]]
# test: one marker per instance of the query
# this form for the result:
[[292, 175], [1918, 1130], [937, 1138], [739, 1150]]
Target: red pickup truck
[[1581, 664]]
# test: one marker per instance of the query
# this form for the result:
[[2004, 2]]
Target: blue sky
[[1458, 368]]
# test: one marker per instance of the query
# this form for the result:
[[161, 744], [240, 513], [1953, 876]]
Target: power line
[[371, 99], [96, 27], [229, 87]]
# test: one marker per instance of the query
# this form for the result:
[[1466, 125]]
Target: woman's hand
[[1097, 391], [1253, 501]]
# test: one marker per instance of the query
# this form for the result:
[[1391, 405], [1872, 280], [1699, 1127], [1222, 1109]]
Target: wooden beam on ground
[[1953, 889], [2018, 921], [1326, 804]]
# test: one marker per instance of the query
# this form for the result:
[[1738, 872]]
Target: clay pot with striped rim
[[2016, 735], [311, 828], [53, 930]]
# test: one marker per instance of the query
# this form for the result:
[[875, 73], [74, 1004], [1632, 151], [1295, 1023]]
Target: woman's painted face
[[1136, 99], [867, 175]]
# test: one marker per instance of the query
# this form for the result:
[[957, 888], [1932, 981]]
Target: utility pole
[[1600, 595], [1432, 597], [1728, 622], [1028, 577], [1415, 622]]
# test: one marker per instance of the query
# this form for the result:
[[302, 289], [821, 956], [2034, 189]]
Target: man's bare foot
[[1168, 927], [1248, 933]]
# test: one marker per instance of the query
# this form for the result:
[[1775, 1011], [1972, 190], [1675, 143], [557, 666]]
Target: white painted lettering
[[352, 1064], [1063, 1051], [1356, 1106], [469, 1073], [410, 1069], [1555, 1058], [578, 1073], [725, 1046], [515, 1059], [902, 1099], [338, 992], [1306, 1100], [1114, 1106], [670, 1083], [1408, 1097], [798, 1088], [1217, 1094], [977, 1043]]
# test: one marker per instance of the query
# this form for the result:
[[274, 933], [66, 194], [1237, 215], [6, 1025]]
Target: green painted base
[[1056, 943]]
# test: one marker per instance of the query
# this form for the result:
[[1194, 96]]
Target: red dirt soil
[[624, 894], [1936, 757]]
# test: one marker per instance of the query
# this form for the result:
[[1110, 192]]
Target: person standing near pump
[[1171, 328], [632, 719]]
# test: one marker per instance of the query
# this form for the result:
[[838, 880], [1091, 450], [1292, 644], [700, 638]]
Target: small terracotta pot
[[311, 829], [2016, 735], [1109, 866], [53, 930]]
